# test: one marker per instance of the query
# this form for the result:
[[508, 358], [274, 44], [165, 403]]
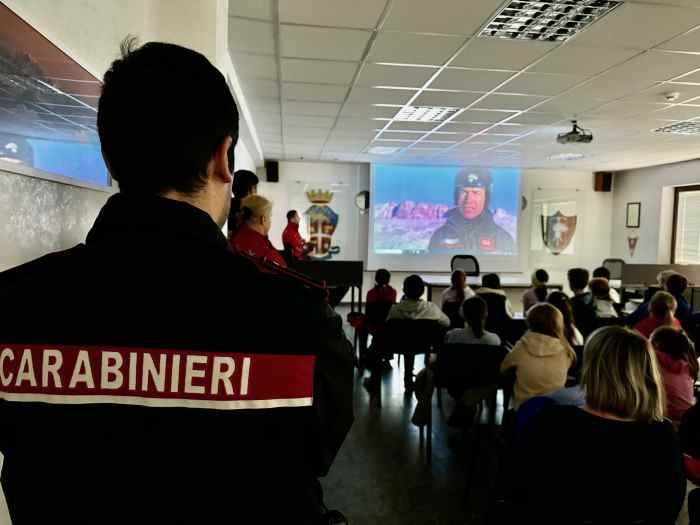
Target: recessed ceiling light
[[383, 150], [425, 113], [549, 20], [567, 156], [680, 128]]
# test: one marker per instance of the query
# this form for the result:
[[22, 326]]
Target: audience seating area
[[472, 375]]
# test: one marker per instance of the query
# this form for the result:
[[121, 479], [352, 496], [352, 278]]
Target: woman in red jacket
[[251, 239]]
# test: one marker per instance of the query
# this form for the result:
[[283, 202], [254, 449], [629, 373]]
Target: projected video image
[[48, 107], [421, 209]]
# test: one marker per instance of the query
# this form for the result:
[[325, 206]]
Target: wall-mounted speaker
[[272, 170], [602, 181]]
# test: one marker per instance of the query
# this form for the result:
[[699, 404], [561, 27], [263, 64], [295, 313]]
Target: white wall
[[653, 187]]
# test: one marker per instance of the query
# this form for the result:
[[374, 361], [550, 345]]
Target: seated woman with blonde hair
[[542, 357], [251, 238], [614, 460], [662, 308]]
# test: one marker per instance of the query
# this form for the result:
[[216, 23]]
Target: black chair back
[[614, 266], [575, 370], [467, 263], [515, 329], [600, 322], [463, 366], [377, 311], [498, 319], [452, 310], [409, 336]]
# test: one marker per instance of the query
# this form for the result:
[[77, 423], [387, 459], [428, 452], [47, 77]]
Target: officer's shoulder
[[48, 268], [283, 288]]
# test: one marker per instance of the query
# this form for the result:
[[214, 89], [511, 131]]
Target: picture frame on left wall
[[634, 212]]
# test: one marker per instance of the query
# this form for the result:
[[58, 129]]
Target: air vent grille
[[549, 20], [680, 128]]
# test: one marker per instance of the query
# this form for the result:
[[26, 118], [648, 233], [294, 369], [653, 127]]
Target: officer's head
[[168, 126], [472, 191], [293, 216], [257, 213]]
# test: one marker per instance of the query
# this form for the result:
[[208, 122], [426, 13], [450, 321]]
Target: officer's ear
[[219, 163]]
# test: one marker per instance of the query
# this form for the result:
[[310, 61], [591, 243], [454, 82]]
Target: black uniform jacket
[[480, 235], [171, 442]]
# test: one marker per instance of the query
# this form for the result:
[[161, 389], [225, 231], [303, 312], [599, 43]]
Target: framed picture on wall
[[634, 211]]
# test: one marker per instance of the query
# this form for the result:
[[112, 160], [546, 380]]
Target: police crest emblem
[[558, 231]]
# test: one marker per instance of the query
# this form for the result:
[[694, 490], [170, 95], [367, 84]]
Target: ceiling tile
[[687, 42], [517, 102], [454, 16], [355, 125], [358, 13], [463, 127], [252, 9], [262, 88], [396, 76], [406, 48], [314, 92], [323, 43], [251, 36], [537, 118], [572, 103], [312, 122], [418, 126], [469, 79], [580, 60], [679, 113], [480, 115], [367, 110], [360, 95], [317, 71], [255, 66], [656, 65], [541, 84], [500, 53], [324, 109], [446, 98], [638, 26], [401, 136], [626, 109]]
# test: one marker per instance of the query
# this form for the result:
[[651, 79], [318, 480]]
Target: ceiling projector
[[576, 135]]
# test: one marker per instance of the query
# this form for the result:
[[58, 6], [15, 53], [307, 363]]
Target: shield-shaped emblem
[[557, 231], [632, 244]]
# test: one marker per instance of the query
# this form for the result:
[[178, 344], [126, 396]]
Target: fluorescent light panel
[[425, 113], [680, 128], [549, 20]]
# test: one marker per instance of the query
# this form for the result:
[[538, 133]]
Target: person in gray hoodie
[[542, 357], [413, 307]]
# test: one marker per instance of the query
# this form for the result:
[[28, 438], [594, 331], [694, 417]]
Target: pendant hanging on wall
[[632, 243]]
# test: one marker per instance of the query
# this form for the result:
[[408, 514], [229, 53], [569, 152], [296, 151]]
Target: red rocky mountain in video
[[410, 210]]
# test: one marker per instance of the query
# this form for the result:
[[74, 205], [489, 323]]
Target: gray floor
[[383, 474]]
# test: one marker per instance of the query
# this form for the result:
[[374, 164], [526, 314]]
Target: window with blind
[[686, 227]]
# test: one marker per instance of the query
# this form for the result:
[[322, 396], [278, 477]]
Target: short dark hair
[[676, 284], [475, 311], [603, 272], [491, 280], [243, 183], [541, 293], [163, 112], [578, 278], [291, 214], [542, 276], [413, 287], [382, 277]]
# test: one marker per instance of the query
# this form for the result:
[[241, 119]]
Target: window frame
[[674, 234]]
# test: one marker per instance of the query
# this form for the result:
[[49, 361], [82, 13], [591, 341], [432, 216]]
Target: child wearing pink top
[[679, 369]]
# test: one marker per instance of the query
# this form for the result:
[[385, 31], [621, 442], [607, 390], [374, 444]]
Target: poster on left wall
[[48, 108]]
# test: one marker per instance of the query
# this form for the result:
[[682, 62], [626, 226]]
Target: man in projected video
[[470, 226]]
